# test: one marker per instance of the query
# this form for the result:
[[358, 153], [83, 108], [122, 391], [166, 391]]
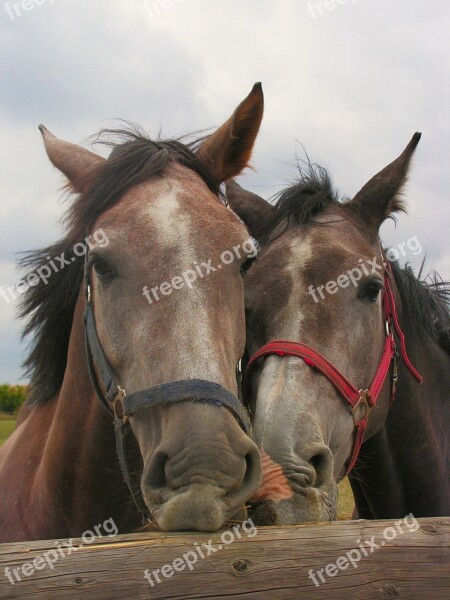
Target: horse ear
[[251, 208], [75, 162], [380, 196], [227, 151]]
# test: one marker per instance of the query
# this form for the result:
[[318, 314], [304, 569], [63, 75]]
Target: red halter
[[355, 397]]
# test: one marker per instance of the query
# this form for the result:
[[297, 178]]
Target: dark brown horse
[[148, 216], [322, 290]]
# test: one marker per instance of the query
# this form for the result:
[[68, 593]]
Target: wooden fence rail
[[402, 561]]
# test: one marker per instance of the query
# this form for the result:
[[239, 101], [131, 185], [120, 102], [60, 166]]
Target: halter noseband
[[122, 405], [355, 397]]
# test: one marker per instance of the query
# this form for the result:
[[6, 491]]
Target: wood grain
[[274, 564]]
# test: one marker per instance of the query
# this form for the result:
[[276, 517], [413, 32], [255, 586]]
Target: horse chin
[[199, 508], [310, 506]]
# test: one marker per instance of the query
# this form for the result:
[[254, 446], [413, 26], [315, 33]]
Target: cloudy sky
[[350, 80]]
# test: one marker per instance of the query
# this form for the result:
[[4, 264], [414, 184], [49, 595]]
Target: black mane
[[426, 303], [49, 307], [296, 206]]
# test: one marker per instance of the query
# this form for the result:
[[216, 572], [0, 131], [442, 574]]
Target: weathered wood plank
[[273, 564]]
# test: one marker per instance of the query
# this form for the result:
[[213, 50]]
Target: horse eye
[[101, 268], [247, 264], [371, 291]]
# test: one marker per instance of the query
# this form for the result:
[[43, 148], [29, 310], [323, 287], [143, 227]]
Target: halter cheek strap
[[355, 397], [125, 405]]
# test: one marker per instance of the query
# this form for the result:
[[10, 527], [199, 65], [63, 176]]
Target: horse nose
[[316, 464], [284, 476], [202, 471], [237, 472], [196, 498]]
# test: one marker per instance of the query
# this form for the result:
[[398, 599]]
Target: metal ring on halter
[[364, 401]]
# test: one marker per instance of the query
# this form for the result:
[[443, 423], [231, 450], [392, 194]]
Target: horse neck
[[79, 468], [404, 468]]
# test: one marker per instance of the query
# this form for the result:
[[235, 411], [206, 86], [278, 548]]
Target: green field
[[7, 424], [345, 502]]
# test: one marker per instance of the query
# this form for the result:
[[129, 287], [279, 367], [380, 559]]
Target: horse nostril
[[157, 472], [252, 464], [238, 496], [321, 466], [316, 461]]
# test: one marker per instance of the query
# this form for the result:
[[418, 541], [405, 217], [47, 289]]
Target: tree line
[[12, 397]]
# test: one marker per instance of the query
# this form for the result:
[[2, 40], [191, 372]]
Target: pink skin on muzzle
[[274, 484]]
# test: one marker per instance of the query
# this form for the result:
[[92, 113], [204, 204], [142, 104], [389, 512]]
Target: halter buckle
[[394, 376], [118, 405], [364, 396]]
